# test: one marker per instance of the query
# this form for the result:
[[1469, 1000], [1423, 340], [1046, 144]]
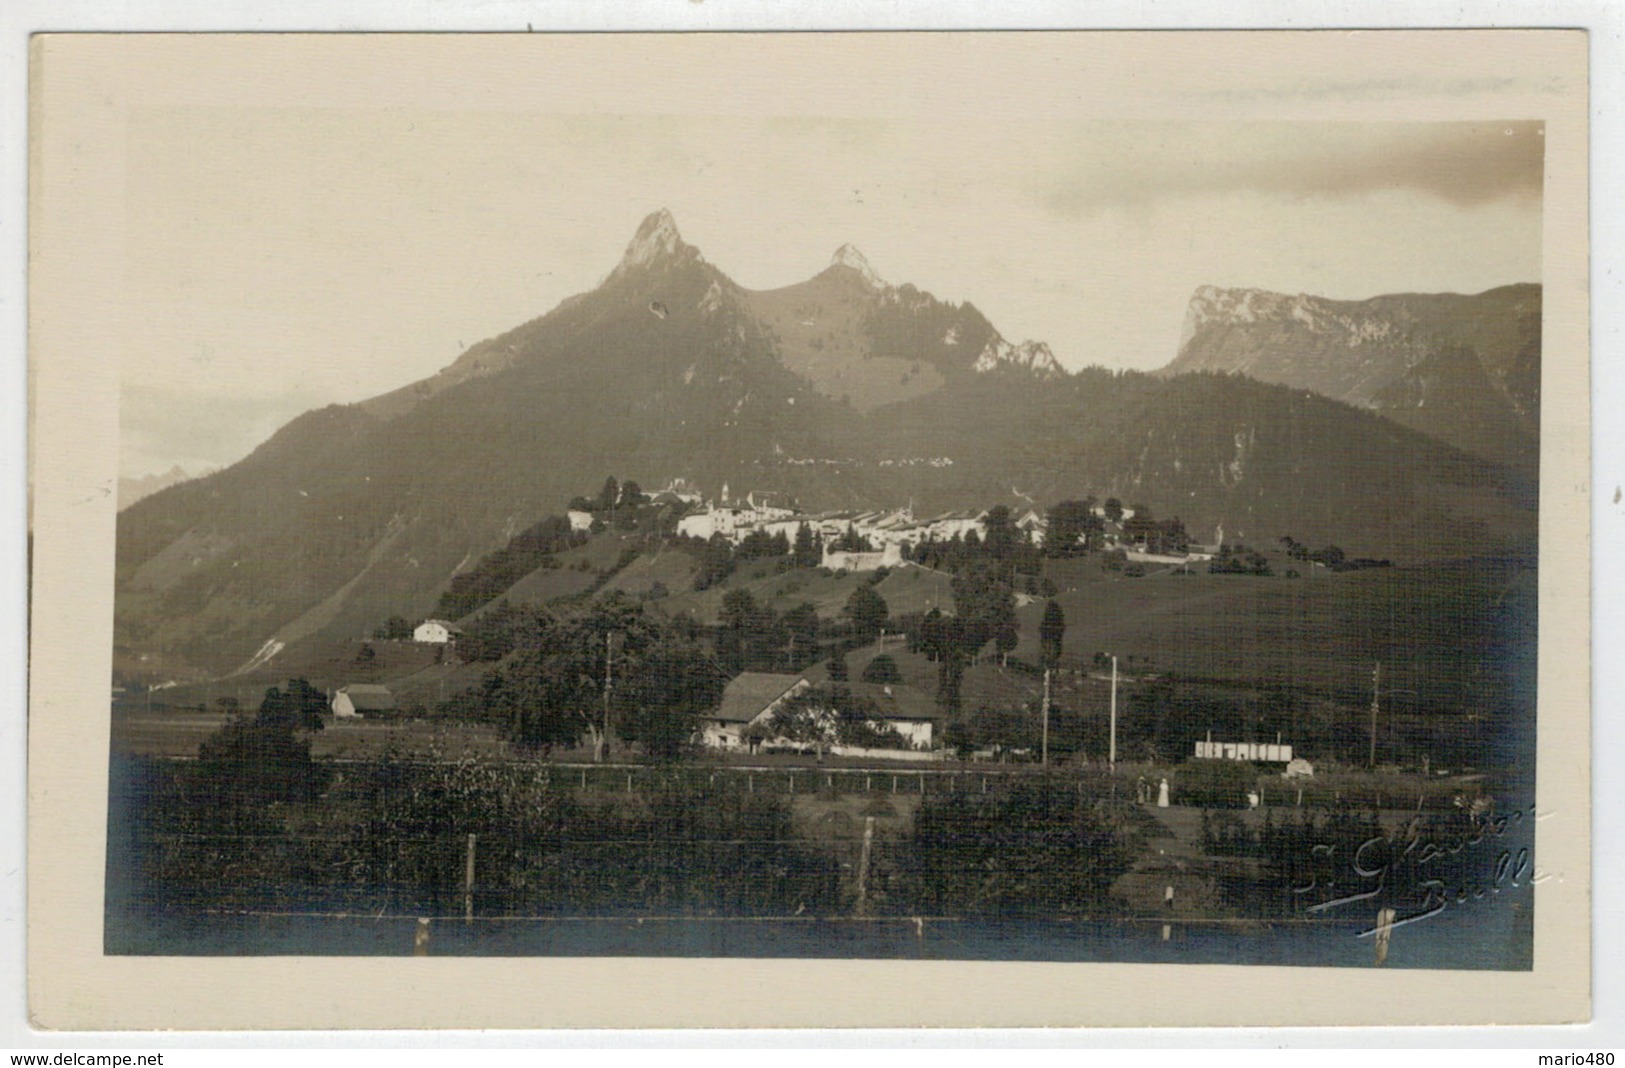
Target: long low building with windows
[[1255, 751]]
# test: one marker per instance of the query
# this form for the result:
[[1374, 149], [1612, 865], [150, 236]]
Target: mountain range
[[131, 490], [1463, 369], [840, 391]]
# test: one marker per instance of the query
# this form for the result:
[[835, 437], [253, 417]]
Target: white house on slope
[[435, 631]]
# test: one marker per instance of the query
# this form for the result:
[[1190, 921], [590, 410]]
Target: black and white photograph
[[807, 498]]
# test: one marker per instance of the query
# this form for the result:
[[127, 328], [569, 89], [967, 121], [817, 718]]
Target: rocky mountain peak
[[849, 256], [657, 238], [1034, 356]]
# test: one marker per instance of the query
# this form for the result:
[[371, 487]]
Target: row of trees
[[1330, 556], [497, 571], [718, 557], [613, 670], [612, 497], [751, 636], [984, 611]]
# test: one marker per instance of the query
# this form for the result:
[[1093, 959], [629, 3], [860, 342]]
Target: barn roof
[[899, 701], [367, 697], [749, 693]]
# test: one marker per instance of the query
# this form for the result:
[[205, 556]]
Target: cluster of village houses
[[888, 531], [744, 718], [736, 520]]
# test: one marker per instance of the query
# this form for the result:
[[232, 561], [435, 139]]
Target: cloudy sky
[[286, 256]]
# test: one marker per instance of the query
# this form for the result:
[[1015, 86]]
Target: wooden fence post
[[420, 939], [468, 883], [1385, 933], [862, 907]]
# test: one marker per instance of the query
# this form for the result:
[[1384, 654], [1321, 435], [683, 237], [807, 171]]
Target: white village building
[[890, 556], [437, 631]]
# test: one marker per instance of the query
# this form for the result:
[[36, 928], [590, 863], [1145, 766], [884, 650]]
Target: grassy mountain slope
[[351, 514]]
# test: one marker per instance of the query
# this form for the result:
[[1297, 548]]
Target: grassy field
[[1435, 629], [906, 589]]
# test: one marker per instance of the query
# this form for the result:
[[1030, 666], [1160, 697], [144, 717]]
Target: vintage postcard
[[1071, 526]]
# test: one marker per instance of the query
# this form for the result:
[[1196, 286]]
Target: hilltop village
[[654, 674], [889, 534], [664, 622]]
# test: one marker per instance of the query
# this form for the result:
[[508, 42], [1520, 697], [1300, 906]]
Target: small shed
[[362, 699]]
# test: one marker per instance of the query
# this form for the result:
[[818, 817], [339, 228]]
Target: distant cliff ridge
[[1464, 369]]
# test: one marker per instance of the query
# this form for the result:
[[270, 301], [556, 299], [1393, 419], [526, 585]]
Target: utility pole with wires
[[609, 683], [1376, 682], [1111, 752], [1045, 735]]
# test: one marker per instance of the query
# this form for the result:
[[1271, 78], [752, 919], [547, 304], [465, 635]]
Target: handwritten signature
[[1382, 860]]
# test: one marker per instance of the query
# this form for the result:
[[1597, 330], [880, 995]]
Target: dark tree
[[665, 693], [806, 553], [882, 670], [499, 631], [300, 707], [985, 607], [933, 638], [252, 762], [1000, 542], [1073, 528], [1050, 633], [747, 633], [759, 544], [867, 611], [951, 667], [800, 627], [395, 629], [1114, 509], [553, 694], [1331, 556], [716, 563], [610, 495], [837, 666], [851, 542]]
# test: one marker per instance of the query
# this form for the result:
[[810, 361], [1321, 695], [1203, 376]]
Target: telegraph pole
[[1111, 756], [1376, 680], [1045, 736], [609, 676]]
